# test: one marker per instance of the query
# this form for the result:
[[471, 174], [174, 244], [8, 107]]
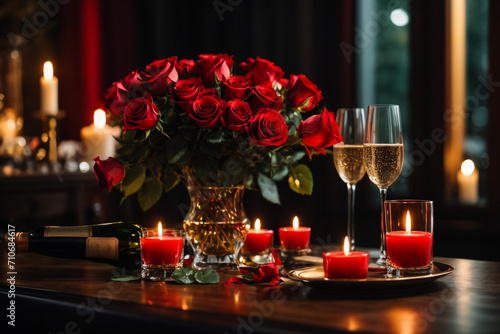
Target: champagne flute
[[348, 158], [383, 154]]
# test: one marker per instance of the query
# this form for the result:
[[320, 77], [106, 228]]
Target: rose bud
[[267, 128], [140, 113], [185, 91], [159, 74], [264, 97], [236, 115], [302, 93], [206, 111], [319, 132], [215, 65], [236, 87], [109, 172], [261, 71]]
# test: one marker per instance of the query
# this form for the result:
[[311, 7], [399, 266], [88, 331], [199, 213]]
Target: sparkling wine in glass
[[383, 154], [348, 158]]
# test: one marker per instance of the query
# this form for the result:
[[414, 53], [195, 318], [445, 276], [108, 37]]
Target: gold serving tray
[[314, 277]]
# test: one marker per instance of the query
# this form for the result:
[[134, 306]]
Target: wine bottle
[[116, 243]]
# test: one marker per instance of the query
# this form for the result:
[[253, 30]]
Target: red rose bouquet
[[197, 122]]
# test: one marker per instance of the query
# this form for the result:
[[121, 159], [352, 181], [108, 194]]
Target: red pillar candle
[[295, 237], [409, 249], [161, 249], [257, 240], [346, 264]]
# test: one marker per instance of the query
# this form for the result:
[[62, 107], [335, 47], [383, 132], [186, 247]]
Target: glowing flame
[[346, 246], [408, 222], [297, 183], [295, 222], [160, 230], [257, 224], [48, 71], [99, 118], [467, 167]]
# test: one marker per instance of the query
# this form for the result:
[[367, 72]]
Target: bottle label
[[103, 248], [68, 231]]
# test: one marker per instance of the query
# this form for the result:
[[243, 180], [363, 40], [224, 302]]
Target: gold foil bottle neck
[[22, 242]]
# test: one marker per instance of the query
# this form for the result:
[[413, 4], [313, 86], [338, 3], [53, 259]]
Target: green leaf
[[301, 180], [125, 278], [150, 193], [133, 179], [296, 157], [206, 276], [183, 275], [129, 136], [280, 173], [169, 179], [125, 275], [178, 150], [268, 189]]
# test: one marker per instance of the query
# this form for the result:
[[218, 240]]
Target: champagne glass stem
[[351, 191], [382, 259]]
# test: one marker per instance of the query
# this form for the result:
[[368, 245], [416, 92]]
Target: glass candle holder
[[257, 248], [409, 237], [161, 253]]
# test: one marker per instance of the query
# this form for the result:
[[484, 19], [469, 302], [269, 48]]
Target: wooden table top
[[78, 296]]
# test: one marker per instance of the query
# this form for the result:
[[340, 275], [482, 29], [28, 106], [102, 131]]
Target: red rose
[[261, 71], [236, 115], [140, 113], [264, 97], [236, 87], [188, 68], [132, 80], [206, 111], [185, 91], [159, 74], [109, 172], [319, 131], [116, 98], [215, 65], [302, 93], [267, 128]]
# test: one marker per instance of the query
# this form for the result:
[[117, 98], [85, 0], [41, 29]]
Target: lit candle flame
[[467, 167], [99, 118], [408, 222], [346, 246], [257, 224], [48, 71], [295, 222], [160, 230], [297, 183]]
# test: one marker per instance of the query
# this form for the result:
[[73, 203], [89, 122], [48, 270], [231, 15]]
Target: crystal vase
[[216, 225]]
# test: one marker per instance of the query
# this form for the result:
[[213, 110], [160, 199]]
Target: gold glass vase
[[216, 224]]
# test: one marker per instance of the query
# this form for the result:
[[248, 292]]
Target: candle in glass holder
[[409, 249], [295, 237], [258, 240], [346, 264], [48, 91], [162, 252]]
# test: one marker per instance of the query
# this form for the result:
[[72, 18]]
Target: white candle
[[468, 180], [98, 139], [48, 90]]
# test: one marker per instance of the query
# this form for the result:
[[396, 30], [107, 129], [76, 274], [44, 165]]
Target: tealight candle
[[161, 252], [48, 91], [346, 264], [295, 237], [98, 138], [258, 240]]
